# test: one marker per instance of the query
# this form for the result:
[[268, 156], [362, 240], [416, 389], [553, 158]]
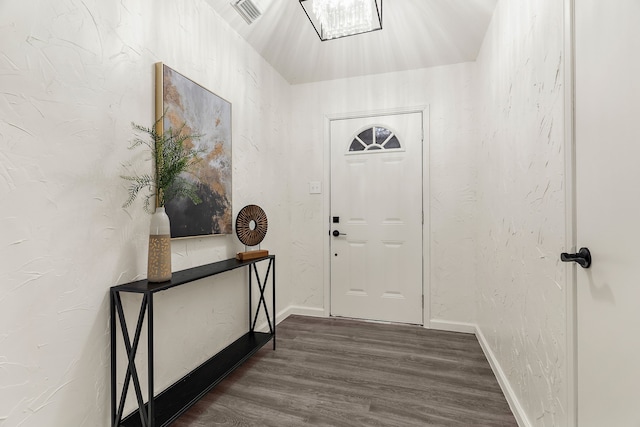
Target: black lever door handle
[[336, 233], [583, 257]]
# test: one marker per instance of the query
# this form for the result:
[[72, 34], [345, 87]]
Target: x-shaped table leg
[[131, 351], [261, 287]]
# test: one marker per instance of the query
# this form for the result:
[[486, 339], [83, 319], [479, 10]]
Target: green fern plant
[[171, 157]]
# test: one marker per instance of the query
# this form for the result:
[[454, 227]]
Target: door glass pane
[[356, 146], [392, 143], [367, 136], [382, 134], [374, 138]]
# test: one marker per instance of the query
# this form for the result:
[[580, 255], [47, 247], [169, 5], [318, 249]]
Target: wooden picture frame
[[181, 101]]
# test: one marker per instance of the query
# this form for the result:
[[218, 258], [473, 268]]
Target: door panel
[[376, 264], [608, 208]]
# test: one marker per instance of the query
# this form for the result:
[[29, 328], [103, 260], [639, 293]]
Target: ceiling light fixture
[[333, 19]]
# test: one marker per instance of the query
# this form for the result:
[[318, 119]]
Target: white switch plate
[[315, 187]]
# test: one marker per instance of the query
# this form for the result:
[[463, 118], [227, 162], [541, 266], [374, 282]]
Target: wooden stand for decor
[[249, 255], [251, 227]]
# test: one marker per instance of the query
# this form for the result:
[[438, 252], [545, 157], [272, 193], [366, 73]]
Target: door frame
[[570, 211], [423, 110]]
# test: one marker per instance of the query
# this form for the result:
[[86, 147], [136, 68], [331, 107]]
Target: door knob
[[336, 233], [583, 257]]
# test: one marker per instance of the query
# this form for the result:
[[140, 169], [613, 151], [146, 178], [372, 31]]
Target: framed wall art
[[202, 112]]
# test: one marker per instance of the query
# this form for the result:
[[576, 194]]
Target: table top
[[189, 275]]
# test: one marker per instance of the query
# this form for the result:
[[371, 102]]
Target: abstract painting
[[184, 102]]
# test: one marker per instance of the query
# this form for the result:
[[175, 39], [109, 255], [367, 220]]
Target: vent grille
[[247, 9]]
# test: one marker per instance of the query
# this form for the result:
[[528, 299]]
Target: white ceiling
[[415, 34]]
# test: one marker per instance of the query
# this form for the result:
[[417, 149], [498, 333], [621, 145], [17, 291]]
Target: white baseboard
[[288, 311], [282, 314], [306, 311], [445, 325], [503, 381]]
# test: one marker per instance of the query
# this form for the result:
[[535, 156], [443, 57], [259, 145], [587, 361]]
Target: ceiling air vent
[[250, 10]]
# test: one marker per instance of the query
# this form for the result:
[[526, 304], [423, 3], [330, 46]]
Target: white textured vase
[[159, 266]]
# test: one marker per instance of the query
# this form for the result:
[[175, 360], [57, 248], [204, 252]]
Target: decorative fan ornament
[[251, 225]]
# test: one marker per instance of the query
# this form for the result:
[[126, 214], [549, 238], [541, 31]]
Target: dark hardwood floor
[[338, 372]]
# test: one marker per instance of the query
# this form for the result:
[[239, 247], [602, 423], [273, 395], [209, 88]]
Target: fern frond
[[183, 188], [171, 158], [137, 184]]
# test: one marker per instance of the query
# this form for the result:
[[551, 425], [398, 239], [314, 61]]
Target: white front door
[[608, 211], [376, 206]]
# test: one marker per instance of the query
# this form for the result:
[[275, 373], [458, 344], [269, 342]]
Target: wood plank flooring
[[338, 372]]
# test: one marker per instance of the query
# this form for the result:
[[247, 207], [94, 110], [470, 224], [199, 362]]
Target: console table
[[164, 408]]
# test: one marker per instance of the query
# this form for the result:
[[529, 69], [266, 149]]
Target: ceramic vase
[[159, 266]]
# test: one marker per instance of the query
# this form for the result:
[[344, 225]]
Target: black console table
[[164, 408]]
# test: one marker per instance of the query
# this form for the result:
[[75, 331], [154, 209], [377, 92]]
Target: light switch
[[315, 187]]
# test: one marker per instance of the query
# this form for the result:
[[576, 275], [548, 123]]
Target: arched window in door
[[375, 138]]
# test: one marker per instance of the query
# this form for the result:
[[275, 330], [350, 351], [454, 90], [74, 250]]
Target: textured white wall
[[448, 93], [73, 75], [521, 204]]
